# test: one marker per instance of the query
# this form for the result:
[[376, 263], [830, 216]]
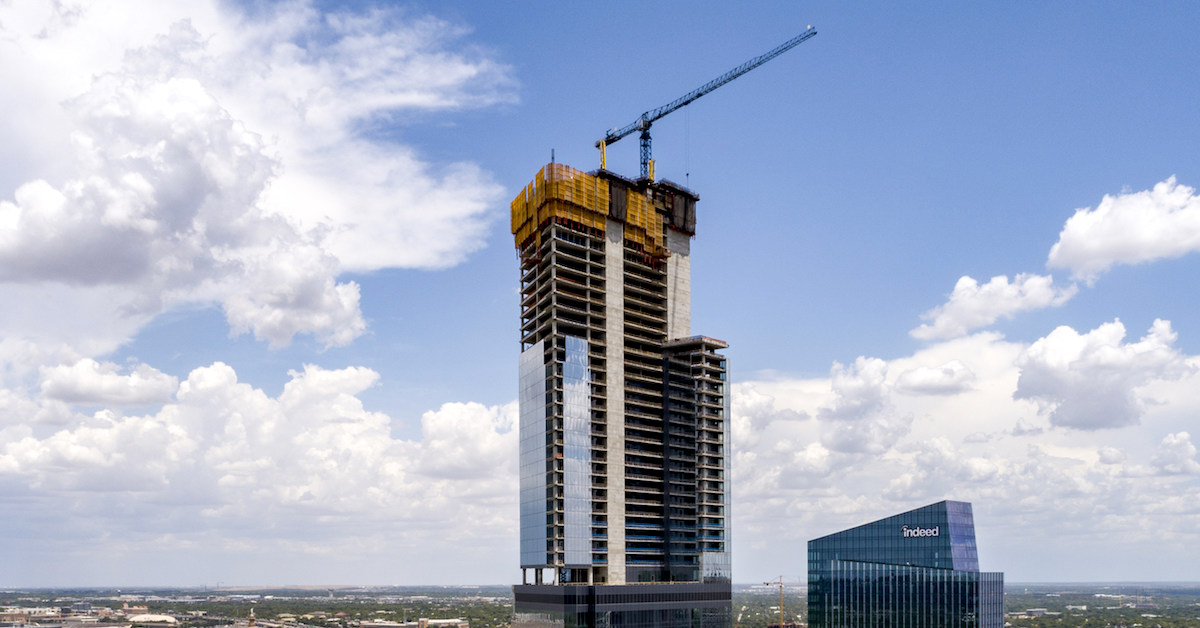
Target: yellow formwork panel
[[519, 207], [643, 225], [560, 191], [568, 184]]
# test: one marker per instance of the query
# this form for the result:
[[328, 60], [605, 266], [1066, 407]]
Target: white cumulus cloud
[[972, 306], [227, 463], [938, 469], [94, 383], [861, 418], [1177, 455], [948, 379], [210, 156], [174, 156], [1089, 381], [1111, 455], [796, 480], [1129, 228]]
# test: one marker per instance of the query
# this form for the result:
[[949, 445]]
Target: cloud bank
[[226, 462], [312, 472], [1130, 228], [214, 157], [159, 158], [1073, 439], [162, 157]]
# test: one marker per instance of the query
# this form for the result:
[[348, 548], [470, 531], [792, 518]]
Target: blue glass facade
[[537, 407], [577, 455], [716, 555], [533, 407], [918, 568]]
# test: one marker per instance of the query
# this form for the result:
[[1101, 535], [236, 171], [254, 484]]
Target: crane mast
[[647, 118]]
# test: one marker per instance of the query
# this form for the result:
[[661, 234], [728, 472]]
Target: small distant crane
[[647, 118], [780, 583]]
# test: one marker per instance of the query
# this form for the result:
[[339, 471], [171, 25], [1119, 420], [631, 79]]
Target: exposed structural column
[[614, 313], [679, 284]]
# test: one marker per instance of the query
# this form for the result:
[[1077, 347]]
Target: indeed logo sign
[[919, 532]]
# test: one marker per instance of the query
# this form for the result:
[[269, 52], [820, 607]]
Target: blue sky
[[261, 293]]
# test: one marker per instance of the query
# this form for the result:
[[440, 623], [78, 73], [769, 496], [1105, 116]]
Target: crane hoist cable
[[647, 118]]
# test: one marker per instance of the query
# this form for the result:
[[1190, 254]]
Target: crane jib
[[646, 119]]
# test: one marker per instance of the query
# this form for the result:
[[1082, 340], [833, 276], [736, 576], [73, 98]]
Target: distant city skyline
[[258, 289]]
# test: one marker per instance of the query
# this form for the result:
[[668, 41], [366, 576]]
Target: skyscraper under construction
[[623, 412]]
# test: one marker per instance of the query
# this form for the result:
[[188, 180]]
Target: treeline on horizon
[[1160, 605]]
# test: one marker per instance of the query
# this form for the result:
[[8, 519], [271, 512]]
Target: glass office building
[[623, 412], [917, 569]]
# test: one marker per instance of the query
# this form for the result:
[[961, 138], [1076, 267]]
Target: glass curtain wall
[[918, 569], [532, 399], [898, 596], [577, 454]]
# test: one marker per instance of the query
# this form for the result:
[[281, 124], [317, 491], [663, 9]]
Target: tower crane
[[647, 118], [780, 583]]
